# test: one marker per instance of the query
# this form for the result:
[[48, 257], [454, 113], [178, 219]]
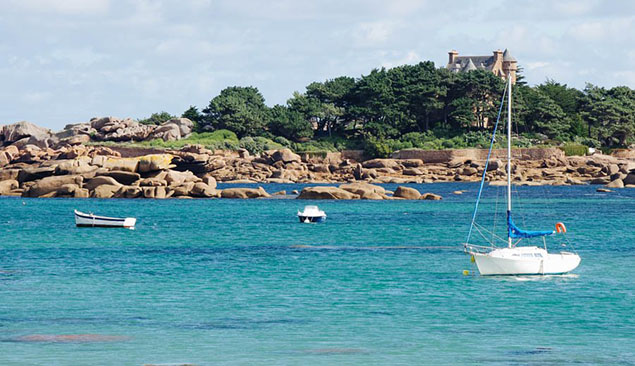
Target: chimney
[[498, 56], [452, 58]]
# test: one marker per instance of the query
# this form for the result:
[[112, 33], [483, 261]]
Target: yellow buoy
[[472, 258], [466, 272]]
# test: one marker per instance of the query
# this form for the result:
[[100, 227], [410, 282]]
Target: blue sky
[[66, 61]]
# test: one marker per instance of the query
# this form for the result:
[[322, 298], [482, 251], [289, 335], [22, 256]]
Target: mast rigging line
[[489, 153]]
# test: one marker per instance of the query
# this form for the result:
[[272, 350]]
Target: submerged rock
[[430, 197]]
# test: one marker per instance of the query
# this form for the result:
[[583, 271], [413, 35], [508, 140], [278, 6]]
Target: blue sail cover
[[515, 232]]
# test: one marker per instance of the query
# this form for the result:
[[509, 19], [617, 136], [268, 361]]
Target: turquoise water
[[240, 282]]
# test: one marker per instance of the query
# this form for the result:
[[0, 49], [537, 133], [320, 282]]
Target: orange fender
[[560, 228]]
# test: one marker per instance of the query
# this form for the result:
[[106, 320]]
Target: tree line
[[421, 106]]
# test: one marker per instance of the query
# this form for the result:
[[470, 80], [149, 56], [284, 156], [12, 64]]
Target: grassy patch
[[574, 149]]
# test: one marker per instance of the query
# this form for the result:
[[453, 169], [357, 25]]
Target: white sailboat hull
[[525, 261]]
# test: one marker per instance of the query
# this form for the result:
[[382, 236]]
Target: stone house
[[500, 63]]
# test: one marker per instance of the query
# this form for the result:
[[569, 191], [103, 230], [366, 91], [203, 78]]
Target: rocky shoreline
[[69, 168], [80, 171]]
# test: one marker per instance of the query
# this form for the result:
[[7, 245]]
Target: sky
[[66, 61]]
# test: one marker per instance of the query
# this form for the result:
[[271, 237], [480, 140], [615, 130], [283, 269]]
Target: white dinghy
[[514, 259], [92, 220], [311, 214]]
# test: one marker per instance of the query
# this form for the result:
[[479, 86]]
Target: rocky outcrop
[[326, 193], [123, 177], [407, 193], [93, 183], [46, 186], [430, 197], [154, 162], [364, 189], [201, 189], [105, 191], [244, 193], [71, 131], [382, 163], [98, 129], [174, 129], [7, 186], [178, 173], [115, 129], [285, 156], [24, 130]]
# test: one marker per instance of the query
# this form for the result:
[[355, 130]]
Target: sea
[[243, 282]]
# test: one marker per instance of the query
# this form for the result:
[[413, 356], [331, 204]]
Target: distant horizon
[[70, 60]]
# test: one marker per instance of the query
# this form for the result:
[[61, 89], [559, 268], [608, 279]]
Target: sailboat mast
[[509, 152]]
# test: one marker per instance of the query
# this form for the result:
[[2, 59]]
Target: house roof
[[479, 62], [507, 56], [469, 66]]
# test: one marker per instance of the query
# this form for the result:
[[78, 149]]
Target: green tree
[[335, 98], [157, 118], [546, 117], [425, 94], [193, 115], [610, 113], [238, 109], [373, 101], [289, 123], [482, 90]]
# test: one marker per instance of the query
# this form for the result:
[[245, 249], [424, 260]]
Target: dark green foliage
[[568, 99], [377, 148], [545, 116], [238, 109], [157, 118], [421, 106], [289, 123], [611, 114], [258, 144], [193, 115]]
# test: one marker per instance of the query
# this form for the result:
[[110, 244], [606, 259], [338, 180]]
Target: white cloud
[[134, 57], [67, 7], [537, 65], [409, 58], [372, 33], [607, 30], [35, 97], [574, 7], [626, 77], [79, 57]]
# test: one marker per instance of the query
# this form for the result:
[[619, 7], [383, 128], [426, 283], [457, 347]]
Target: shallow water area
[[237, 282]]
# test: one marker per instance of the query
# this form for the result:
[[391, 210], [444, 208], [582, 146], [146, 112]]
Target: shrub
[[156, 118], [258, 144], [282, 141], [328, 144], [587, 141], [377, 148], [220, 139], [574, 149]]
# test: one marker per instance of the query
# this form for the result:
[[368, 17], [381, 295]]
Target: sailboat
[[515, 259]]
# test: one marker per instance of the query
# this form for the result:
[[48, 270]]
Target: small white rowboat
[[91, 220]]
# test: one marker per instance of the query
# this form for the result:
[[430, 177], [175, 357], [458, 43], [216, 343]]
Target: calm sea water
[[240, 282]]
